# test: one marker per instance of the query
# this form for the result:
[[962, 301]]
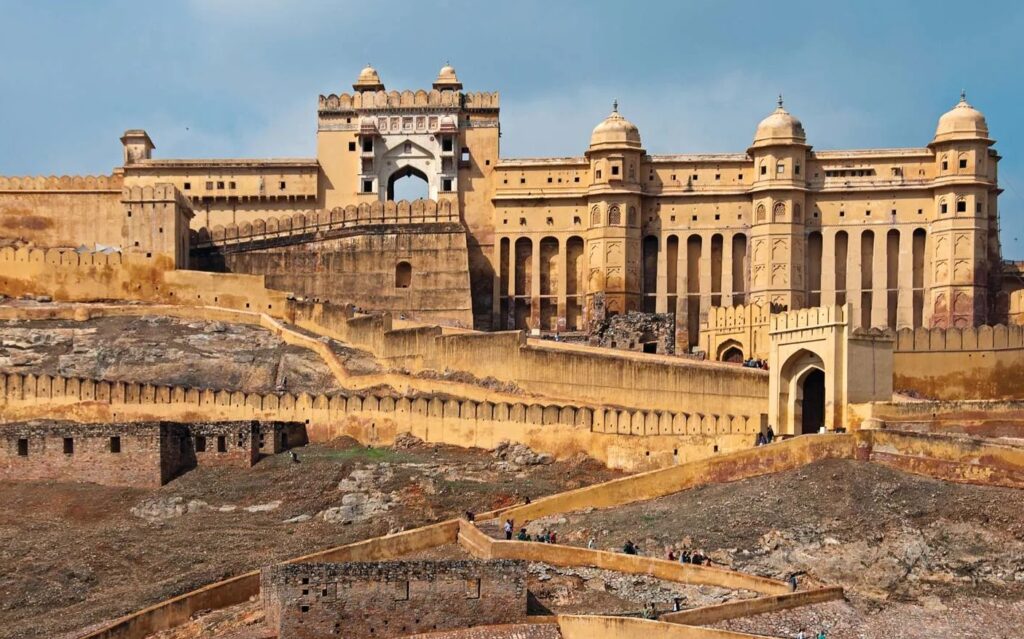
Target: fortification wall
[[62, 211], [391, 598], [480, 545], [984, 362], [307, 224], [598, 627], [620, 438], [420, 272], [584, 374], [948, 458], [759, 605], [142, 454]]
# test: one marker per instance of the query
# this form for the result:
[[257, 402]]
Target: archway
[[730, 351], [403, 275], [802, 387], [408, 183], [812, 401]]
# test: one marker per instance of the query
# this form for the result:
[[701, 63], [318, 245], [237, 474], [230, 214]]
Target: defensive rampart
[[756, 606], [484, 547], [984, 362], [618, 437], [35, 210]]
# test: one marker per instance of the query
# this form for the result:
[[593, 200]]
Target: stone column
[[682, 301], [828, 268], [511, 321], [661, 299], [563, 279], [535, 284], [854, 281], [727, 285], [496, 288], [705, 274], [880, 276], [905, 279]]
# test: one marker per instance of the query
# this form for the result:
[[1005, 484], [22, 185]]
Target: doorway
[[812, 402]]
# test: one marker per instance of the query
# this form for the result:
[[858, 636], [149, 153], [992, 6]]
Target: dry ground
[[72, 555]]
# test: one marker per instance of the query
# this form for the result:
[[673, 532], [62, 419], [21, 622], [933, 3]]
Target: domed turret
[[779, 128], [615, 132], [446, 79], [962, 122], [368, 80]]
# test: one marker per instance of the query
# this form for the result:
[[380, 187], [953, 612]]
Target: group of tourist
[[803, 635], [696, 557], [545, 536], [766, 437], [754, 362]]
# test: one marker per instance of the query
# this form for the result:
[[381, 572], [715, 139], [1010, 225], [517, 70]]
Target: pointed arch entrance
[[414, 188], [802, 393]]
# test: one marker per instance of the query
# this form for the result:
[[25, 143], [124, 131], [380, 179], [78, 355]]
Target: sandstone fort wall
[[62, 211], [390, 598]]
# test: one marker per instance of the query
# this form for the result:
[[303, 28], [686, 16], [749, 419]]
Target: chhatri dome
[[368, 80], [779, 128], [446, 79], [615, 131], [962, 122]]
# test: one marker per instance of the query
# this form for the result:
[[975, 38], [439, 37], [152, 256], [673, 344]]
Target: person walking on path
[[508, 530]]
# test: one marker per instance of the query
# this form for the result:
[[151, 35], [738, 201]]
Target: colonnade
[[541, 280]]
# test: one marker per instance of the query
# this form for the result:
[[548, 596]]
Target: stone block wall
[[111, 454], [225, 443], [391, 598]]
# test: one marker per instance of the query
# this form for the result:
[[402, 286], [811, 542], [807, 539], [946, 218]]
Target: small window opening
[[446, 185], [281, 185], [188, 186], [465, 154], [403, 275], [764, 170], [796, 169], [69, 446], [115, 444], [945, 165], [368, 145], [200, 444], [367, 186], [961, 206], [615, 170], [222, 444], [22, 448], [209, 186], [446, 144], [943, 208], [963, 164], [220, 186], [598, 174], [351, 146], [780, 169]]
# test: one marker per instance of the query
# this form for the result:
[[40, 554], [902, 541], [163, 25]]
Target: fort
[[604, 307]]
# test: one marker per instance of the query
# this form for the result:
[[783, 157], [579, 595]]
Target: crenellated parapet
[[352, 216], [18, 390], [65, 258], [976, 338], [435, 99], [61, 183], [816, 317]]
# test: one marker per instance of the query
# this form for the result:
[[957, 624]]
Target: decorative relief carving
[[779, 275], [760, 213], [780, 250]]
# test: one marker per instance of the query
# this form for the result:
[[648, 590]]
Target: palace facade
[[908, 237]]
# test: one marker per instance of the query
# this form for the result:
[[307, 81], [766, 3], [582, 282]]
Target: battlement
[[62, 257], [808, 318], [159, 193], [62, 183], [977, 338], [736, 316], [370, 100], [403, 212]]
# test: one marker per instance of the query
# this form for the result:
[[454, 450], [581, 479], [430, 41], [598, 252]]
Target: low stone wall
[[479, 544], [746, 607], [391, 598], [958, 459], [512, 631], [596, 627]]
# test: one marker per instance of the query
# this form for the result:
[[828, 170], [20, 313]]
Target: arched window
[[632, 216], [778, 212], [798, 213], [614, 216], [403, 275], [595, 216], [760, 213]]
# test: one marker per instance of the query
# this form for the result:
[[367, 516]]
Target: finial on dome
[[615, 105], [780, 100], [963, 95]]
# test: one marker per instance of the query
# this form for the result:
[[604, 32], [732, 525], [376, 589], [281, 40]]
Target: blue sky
[[225, 78]]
